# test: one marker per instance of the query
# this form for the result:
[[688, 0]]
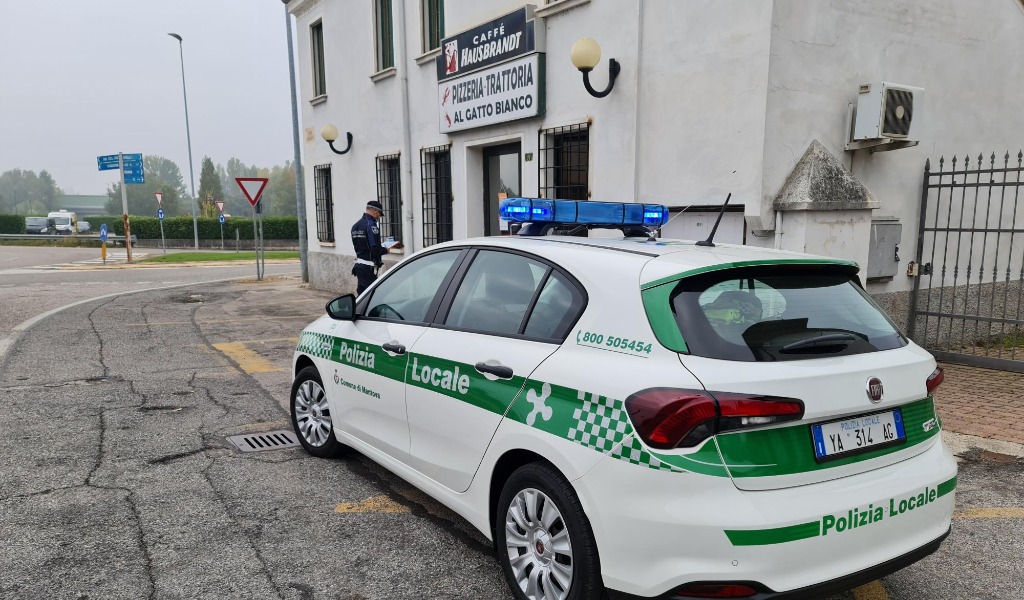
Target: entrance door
[[502, 179]]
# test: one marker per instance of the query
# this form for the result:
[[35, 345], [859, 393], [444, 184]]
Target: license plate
[[839, 439]]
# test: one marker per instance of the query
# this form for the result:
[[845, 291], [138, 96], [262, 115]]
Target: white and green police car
[[645, 417]]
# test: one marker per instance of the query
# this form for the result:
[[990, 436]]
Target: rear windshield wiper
[[831, 338]]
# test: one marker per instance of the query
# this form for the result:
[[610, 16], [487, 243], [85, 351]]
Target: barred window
[[436, 178], [389, 194], [385, 34], [317, 49], [564, 165], [324, 203], [433, 24]]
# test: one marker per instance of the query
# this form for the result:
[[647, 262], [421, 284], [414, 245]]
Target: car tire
[[556, 560], [311, 415]]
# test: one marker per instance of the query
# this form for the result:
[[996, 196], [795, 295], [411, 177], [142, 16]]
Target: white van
[[65, 223]]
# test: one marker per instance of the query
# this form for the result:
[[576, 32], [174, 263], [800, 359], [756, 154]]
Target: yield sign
[[252, 187], [159, 199], [220, 205]]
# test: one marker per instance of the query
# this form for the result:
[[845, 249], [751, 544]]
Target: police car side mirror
[[342, 308]]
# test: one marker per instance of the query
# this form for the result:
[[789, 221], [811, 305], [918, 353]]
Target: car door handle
[[394, 348], [499, 371]]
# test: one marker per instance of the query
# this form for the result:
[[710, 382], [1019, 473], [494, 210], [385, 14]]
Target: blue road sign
[[140, 178], [103, 232], [134, 168], [106, 163], [221, 219], [160, 214], [109, 161]]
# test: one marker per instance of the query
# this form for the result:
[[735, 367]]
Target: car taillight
[[672, 418], [935, 379], [716, 590]]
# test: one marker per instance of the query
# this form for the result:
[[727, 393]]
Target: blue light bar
[[582, 212]]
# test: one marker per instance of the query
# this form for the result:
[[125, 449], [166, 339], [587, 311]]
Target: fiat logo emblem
[[874, 390]]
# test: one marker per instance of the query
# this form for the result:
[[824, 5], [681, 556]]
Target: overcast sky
[[81, 78]]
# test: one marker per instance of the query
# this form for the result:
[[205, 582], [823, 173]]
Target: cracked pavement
[[118, 480]]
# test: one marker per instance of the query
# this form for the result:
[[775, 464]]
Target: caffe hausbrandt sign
[[491, 73]]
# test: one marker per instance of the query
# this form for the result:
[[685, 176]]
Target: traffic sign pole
[[160, 215], [103, 243], [253, 187], [124, 206], [255, 244]]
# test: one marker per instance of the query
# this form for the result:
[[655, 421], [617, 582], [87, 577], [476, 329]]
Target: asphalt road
[[117, 479]]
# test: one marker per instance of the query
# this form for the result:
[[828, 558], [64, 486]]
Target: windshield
[[62, 220], [36, 221], [775, 313]]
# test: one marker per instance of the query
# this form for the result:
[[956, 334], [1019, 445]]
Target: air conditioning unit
[[885, 111]]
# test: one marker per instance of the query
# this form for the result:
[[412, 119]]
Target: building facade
[[454, 104]]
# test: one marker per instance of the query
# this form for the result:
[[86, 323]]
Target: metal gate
[[966, 306]]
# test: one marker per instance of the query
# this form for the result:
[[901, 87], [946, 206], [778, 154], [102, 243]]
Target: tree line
[[25, 192]]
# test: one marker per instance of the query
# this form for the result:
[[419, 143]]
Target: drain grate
[[259, 442]]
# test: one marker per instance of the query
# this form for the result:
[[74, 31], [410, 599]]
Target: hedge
[[180, 228], [13, 224]]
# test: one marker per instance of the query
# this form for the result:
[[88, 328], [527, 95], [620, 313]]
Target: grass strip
[[179, 257]]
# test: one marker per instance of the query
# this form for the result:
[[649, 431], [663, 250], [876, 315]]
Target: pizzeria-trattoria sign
[[491, 73], [509, 91]]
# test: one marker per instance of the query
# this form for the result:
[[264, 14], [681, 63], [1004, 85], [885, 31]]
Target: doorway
[[502, 179]]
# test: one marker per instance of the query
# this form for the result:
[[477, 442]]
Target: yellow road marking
[[871, 591], [1006, 512], [247, 360], [375, 504]]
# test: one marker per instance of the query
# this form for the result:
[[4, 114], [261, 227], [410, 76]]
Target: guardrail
[[61, 237]]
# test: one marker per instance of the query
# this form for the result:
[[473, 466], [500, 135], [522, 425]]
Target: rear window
[[764, 314]]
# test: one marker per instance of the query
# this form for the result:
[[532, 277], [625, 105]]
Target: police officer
[[367, 244]]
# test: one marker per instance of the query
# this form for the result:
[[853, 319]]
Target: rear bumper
[[827, 588], [657, 531]]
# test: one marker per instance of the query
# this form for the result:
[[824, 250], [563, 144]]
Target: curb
[[959, 443]]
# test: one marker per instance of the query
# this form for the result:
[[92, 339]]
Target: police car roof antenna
[[708, 242]]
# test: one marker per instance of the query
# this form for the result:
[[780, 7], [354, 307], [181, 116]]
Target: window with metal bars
[[389, 194], [436, 179], [385, 35], [324, 203], [433, 24], [564, 165], [316, 34]]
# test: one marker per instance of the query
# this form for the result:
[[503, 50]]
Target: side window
[[556, 310], [406, 294], [496, 293]]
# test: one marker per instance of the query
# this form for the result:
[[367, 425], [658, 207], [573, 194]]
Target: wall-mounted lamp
[[585, 55], [330, 133]]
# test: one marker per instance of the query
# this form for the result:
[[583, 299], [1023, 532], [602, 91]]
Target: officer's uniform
[[366, 241]]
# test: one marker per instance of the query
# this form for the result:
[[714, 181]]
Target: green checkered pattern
[[315, 344], [601, 424]]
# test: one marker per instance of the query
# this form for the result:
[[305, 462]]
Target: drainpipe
[[639, 78], [410, 237]]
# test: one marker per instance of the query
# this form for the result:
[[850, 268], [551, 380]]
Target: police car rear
[[792, 451]]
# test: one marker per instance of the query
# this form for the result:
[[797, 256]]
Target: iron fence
[[966, 305]]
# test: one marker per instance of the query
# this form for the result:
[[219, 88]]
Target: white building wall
[[967, 56], [715, 96]]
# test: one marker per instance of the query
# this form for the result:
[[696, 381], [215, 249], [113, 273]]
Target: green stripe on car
[[838, 524]]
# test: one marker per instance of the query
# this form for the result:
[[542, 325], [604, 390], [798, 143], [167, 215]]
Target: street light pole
[[188, 136], [300, 193]]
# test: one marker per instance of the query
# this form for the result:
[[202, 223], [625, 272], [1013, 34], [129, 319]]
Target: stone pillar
[[823, 209]]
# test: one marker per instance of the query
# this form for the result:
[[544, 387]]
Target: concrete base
[[333, 272]]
